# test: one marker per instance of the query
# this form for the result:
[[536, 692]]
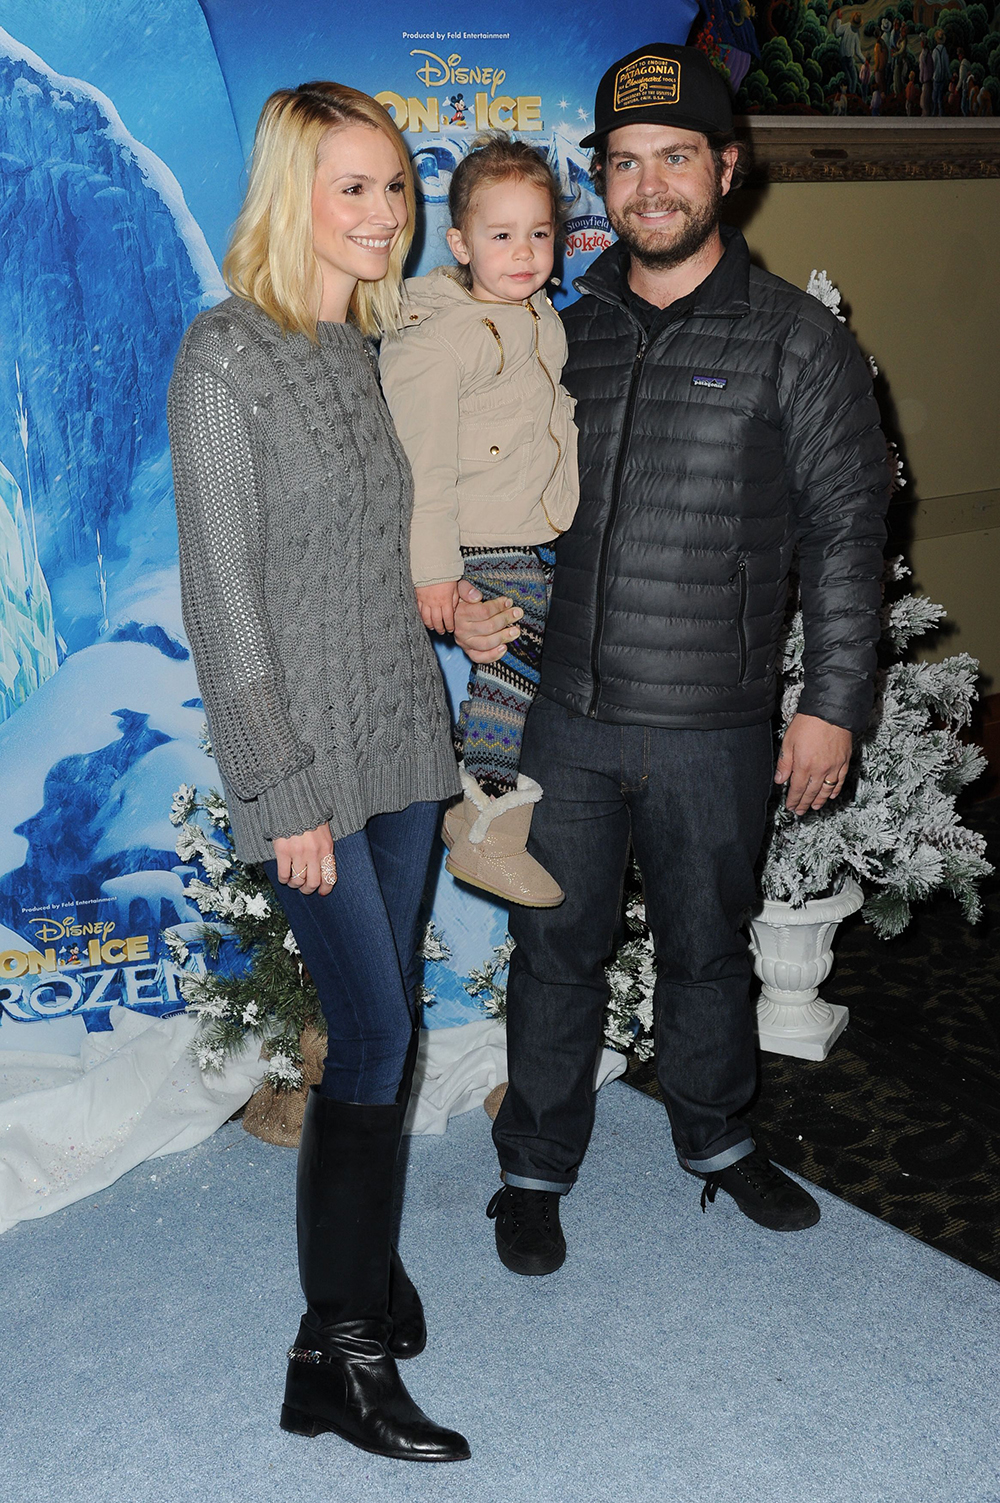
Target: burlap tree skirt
[[494, 1100], [276, 1116]]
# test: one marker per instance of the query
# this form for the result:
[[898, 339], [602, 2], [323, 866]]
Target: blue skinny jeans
[[359, 945]]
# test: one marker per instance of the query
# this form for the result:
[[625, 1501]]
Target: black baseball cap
[[660, 84]]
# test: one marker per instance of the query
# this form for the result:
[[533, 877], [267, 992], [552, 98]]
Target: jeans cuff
[[718, 1160], [520, 1182]]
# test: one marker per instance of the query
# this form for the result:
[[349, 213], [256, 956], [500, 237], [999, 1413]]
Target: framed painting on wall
[[878, 89]]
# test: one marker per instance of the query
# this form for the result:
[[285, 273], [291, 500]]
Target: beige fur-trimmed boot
[[486, 838]]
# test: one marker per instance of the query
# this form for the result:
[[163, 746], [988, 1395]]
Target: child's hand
[[437, 604]]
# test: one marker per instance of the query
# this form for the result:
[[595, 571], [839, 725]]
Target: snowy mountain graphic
[[571, 165], [28, 653], [102, 268]]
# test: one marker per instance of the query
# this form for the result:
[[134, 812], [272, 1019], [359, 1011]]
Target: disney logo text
[[439, 70], [48, 930]]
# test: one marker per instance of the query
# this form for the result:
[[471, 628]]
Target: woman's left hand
[[307, 862]]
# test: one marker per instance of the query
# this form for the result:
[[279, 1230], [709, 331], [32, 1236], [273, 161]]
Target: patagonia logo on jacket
[[717, 383]]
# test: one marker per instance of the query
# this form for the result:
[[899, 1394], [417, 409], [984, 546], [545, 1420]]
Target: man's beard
[[698, 224]]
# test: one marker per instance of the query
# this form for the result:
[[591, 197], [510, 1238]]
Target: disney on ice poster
[[124, 129]]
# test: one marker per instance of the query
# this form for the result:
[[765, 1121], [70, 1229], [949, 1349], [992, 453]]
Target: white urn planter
[[792, 951]]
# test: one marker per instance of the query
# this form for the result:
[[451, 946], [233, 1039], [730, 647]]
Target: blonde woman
[[323, 696]]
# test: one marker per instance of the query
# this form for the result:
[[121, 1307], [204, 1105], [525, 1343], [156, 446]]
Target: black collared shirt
[[654, 319]]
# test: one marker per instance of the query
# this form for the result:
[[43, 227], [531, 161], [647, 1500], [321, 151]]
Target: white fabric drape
[[70, 1126]]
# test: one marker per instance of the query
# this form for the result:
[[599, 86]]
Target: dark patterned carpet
[[903, 1119]]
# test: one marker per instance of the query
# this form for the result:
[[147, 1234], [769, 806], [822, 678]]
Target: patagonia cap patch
[[717, 383], [647, 80]]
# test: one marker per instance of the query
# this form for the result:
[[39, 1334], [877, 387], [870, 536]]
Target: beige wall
[[917, 266]]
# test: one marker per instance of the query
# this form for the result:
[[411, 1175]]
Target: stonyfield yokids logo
[[586, 234], [472, 97]]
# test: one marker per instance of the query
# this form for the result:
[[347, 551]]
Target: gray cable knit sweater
[[323, 695]]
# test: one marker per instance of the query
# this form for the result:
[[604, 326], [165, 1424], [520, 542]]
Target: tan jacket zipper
[[496, 335]]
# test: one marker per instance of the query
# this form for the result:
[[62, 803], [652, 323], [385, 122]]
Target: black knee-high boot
[[341, 1377], [408, 1335]]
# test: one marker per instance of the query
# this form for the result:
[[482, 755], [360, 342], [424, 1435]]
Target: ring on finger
[[328, 869], [830, 782], [297, 876]]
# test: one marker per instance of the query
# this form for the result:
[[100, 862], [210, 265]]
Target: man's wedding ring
[[831, 781], [328, 870]]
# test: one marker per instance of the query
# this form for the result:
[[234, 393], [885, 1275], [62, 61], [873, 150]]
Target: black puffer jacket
[[745, 428]]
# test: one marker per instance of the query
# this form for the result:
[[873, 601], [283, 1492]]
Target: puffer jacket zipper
[[604, 295], [741, 611], [602, 567]]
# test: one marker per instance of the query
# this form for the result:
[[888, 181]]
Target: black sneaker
[[529, 1237], [763, 1193]]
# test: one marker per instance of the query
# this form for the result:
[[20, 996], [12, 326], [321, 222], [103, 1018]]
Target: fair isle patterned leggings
[[491, 723]]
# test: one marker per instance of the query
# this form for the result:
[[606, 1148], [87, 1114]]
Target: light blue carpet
[[676, 1357]]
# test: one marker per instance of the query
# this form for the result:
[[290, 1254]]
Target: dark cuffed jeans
[[359, 945], [693, 804]]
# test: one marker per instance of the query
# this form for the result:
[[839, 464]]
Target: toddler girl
[[473, 386]]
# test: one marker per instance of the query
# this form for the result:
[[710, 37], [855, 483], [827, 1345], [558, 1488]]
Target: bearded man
[[726, 420]]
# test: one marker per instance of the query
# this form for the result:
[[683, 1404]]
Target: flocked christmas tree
[[895, 828], [270, 996]]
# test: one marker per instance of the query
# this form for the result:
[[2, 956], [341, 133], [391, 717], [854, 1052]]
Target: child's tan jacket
[[473, 388]]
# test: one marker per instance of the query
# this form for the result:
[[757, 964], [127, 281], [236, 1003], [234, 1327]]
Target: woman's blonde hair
[[270, 260]]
